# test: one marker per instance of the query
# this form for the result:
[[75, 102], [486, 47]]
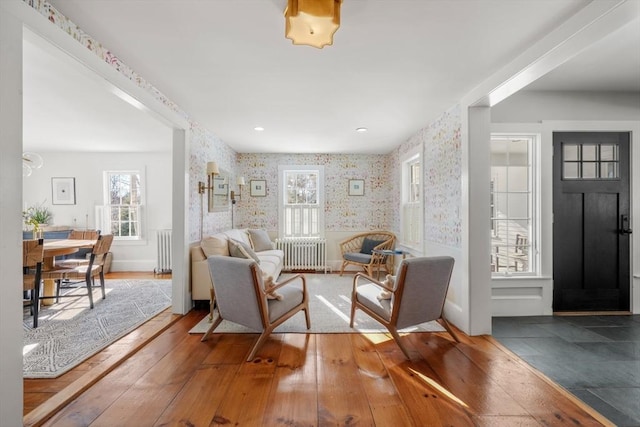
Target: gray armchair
[[241, 297], [417, 296]]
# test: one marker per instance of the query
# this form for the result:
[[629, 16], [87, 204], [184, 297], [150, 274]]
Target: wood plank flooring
[[304, 380]]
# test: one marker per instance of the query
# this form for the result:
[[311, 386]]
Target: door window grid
[[412, 203], [512, 204], [590, 161]]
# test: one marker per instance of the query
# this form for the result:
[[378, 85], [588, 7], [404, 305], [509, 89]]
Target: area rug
[[69, 332], [329, 310]]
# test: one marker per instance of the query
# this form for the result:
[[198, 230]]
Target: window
[[590, 161], [121, 214], [411, 219], [513, 204], [301, 195]]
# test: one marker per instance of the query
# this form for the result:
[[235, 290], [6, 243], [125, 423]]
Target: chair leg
[[448, 327], [263, 337], [214, 325], [306, 317], [102, 283], [35, 304], [344, 264], [88, 280], [396, 337], [353, 311]]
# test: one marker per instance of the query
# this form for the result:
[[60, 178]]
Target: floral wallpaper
[[374, 210], [443, 179], [442, 167]]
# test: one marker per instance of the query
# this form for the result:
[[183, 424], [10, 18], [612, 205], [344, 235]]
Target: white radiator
[[164, 252], [304, 253]]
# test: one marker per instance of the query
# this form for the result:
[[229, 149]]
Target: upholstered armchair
[[359, 250], [417, 295], [241, 297]]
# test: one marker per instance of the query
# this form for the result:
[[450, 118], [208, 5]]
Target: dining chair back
[[32, 259], [88, 272]]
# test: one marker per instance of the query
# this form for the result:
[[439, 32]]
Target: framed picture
[[356, 187], [219, 186], [258, 188], [63, 191]]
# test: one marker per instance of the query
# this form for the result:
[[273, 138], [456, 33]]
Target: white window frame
[[412, 226], [534, 213], [103, 213], [282, 208]]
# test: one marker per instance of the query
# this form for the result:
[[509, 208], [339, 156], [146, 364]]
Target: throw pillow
[[260, 240], [242, 250], [268, 284], [368, 245], [390, 282], [215, 245]]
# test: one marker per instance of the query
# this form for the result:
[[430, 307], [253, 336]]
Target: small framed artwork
[[258, 188], [63, 191], [356, 187]]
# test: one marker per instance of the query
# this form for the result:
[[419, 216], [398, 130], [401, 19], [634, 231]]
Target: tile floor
[[597, 358]]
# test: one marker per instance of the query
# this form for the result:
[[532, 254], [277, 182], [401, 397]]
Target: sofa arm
[[200, 277]]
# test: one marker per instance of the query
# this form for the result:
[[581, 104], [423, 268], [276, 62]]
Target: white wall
[[87, 169], [544, 113]]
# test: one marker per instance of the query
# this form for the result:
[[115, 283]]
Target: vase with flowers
[[36, 217]]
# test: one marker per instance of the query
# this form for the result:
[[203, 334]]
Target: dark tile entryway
[[597, 358]]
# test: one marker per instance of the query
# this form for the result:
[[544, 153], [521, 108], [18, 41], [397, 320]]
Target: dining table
[[52, 249]]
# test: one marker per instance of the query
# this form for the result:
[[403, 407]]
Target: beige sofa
[[271, 260]]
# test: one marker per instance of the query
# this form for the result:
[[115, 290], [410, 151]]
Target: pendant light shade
[[312, 22]]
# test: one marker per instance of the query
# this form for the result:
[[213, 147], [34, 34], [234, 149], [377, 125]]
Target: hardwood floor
[[304, 380]]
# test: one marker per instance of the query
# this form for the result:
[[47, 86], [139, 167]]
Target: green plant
[[37, 215]]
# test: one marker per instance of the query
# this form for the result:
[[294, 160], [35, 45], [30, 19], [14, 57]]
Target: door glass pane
[[499, 178], [589, 152], [608, 152], [570, 170], [589, 170], [518, 205], [570, 152], [518, 178], [609, 170]]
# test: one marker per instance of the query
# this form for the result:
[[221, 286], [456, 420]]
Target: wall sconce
[[212, 171], [235, 197]]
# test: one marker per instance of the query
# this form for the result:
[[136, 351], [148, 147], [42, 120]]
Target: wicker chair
[[357, 250]]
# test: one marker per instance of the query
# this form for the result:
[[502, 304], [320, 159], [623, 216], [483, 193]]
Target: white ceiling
[[394, 67]]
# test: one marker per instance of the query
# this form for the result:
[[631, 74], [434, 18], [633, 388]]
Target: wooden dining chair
[[32, 258], [87, 273], [80, 257]]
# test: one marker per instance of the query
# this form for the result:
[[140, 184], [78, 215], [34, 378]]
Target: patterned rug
[[69, 332], [329, 310]]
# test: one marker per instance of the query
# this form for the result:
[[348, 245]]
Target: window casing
[[514, 204], [122, 210], [301, 201], [412, 205]]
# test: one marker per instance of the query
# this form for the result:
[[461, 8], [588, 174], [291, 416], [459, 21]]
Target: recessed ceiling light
[[258, 128], [361, 129]]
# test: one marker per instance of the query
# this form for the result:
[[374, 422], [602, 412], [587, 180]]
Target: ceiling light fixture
[[30, 161], [258, 128], [361, 130], [312, 22]]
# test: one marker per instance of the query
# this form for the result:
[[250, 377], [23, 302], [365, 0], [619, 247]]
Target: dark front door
[[591, 228]]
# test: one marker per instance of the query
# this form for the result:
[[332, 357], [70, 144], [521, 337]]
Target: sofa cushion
[[240, 235], [368, 245], [260, 240], [242, 250], [215, 245]]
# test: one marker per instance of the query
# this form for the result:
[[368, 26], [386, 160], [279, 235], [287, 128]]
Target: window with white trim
[[412, 206], [301, 196], [513, 204], [122, 210]]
